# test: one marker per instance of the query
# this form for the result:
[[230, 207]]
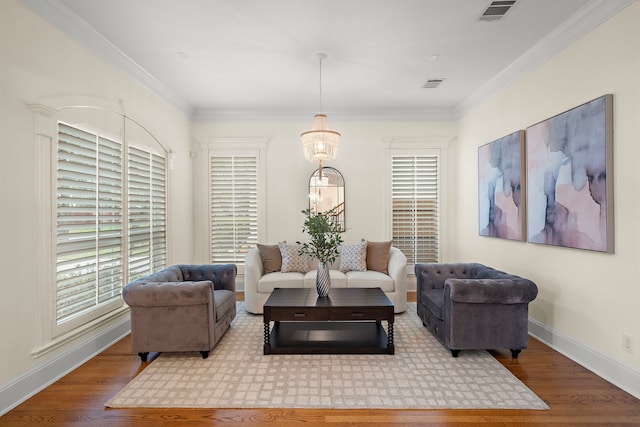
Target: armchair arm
[[142, 293], [496, 291]]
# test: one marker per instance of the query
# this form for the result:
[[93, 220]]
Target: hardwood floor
[[576, 397]]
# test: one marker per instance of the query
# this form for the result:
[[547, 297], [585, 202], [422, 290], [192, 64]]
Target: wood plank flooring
[[576, 397]]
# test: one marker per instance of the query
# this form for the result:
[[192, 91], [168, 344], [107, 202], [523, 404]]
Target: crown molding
[[585, 20], [429, 114], [77, 29]]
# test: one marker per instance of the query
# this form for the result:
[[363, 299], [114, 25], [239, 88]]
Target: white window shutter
[[89, 221], [147, 212], [110, 220], [234, 206], [159, 212], [415, 195]]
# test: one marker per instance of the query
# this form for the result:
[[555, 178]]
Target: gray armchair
[[181, 308], [471, 306]]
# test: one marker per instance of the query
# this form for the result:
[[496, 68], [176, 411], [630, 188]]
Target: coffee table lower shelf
[[336, 337]]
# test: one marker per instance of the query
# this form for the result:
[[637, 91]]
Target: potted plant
[[325, 236]]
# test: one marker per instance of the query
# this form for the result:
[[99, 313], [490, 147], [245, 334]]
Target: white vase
[[323, 280]]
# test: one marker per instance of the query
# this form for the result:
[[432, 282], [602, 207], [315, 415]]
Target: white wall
[[587, 300], [360, 160], [38, 61]]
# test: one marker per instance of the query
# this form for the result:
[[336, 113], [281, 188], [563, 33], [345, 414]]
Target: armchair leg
[[143, 356], [454, 353], [204, 354], [515, 353]]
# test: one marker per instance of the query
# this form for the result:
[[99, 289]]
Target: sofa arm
[[141, 293], [494, 291], [397, 269], [253, 271]]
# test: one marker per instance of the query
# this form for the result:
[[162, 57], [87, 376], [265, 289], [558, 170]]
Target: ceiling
[[221, 59]]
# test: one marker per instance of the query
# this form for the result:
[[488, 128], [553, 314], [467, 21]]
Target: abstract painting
[[500, 187], [569, 178]]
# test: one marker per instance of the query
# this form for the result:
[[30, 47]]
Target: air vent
[[432, 83], [497, 10]]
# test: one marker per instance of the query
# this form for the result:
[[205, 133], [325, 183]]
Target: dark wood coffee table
[[348, 321]]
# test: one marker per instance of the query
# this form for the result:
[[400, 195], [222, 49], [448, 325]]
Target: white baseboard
[[609, 369], [22, 388]]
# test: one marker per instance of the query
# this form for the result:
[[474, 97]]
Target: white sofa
[[258, 286]]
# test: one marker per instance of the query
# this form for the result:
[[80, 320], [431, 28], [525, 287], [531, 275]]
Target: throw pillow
[[378, 256], [353, 257], [291, 261], [271, 258]]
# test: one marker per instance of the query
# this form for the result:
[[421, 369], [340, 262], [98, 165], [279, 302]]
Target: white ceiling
[[217, 59]]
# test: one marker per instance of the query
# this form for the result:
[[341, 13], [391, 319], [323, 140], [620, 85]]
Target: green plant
[[325, 236]]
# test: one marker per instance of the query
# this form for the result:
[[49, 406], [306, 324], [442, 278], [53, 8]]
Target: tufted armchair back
[[169, 274], [223, 276], [433, 276]]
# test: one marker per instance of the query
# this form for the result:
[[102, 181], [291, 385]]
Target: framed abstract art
[[569, 178], [501, 210]]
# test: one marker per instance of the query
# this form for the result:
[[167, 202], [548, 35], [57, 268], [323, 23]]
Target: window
[[94, 255], [415, 212], [233, 206]]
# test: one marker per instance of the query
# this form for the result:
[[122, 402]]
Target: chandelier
[[320, 143]]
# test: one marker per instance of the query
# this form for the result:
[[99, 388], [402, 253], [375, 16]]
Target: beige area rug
[[422, 374]]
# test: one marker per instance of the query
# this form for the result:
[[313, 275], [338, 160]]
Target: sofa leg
[[515, 353], [454, 353], [204, 354], [143, 356]]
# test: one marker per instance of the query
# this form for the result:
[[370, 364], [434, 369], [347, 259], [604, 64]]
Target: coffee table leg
[[390, 347], [267, 338]]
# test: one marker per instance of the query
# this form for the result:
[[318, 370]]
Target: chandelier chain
[[320, 83]]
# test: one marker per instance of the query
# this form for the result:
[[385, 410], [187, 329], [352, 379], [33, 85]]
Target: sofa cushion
[[337, 278], [370, 279], [378, 256], [271, 258], [269, 282], [292, 262], [353, 257]]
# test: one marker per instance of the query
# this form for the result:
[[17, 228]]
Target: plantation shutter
[[158, 212], [415, 228], [89, 221], [147, 212], [234, 206]]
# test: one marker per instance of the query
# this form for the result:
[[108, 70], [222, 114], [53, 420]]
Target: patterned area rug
[[422, 374]]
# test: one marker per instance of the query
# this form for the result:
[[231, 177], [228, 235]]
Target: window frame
[[216, 146], [47, 112], [100, 309], [420, 146]]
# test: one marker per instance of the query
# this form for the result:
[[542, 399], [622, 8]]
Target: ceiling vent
[[432, 83], [497, 10]]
